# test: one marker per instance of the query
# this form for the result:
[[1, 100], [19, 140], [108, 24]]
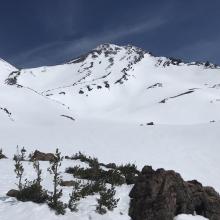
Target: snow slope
[[100, 103], [21, 106]]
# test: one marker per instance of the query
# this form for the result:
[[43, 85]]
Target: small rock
[[67, 183], [163, 101], [12, 193], [43, 156], [150, 123]]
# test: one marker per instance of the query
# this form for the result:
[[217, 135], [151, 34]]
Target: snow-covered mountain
[[101, 103], [128, 84]]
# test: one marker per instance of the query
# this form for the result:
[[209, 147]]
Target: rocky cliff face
[[164, 194]]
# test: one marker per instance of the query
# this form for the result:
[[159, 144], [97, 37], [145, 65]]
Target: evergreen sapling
[[75, 196], [107, 200], [19, 169], [54, 200]]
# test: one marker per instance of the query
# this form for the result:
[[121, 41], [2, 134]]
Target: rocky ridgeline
[[12, 78], [161, 195], [165, 62], [108, 50]]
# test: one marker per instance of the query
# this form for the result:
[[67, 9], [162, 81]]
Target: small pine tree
[[23, 152], [30, 156], [19, 169], [106, 200], [36, 166], [130, 172], [54, 200], [2, 156], [32, 190], [75, 196]]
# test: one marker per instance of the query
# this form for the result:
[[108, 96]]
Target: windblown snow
[[101, 104]]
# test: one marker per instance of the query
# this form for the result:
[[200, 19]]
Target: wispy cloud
[[62, 50], [135, 29]]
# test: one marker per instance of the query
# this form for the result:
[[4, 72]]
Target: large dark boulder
[[37, 155], [161, 195]]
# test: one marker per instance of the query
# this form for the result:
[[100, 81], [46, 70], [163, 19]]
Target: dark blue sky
[[46, 32]]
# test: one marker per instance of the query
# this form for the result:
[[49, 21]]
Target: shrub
[[93, 162], [75, 197], [130, 172], [54, 199], [91, 188], [32, 191], [36, 165], [97, 174], [59, 207], [109, 165], [113, 177], [2, 156], [30, 156], [116, 175], [23, 152], [81, 190], [106, 200], [19, 169]]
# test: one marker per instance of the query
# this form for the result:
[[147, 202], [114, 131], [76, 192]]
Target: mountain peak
[[109, 51], [114, 47], [107, 46]]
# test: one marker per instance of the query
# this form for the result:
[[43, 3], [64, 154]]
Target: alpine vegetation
[[106, 200], [54, 200]]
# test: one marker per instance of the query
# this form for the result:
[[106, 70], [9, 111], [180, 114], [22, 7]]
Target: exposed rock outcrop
[[37, 155], [161, 195], [150, 123]]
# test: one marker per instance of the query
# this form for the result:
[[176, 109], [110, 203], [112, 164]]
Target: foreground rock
[[161, 195], [42, 156], [13, 193], [32, 193]]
